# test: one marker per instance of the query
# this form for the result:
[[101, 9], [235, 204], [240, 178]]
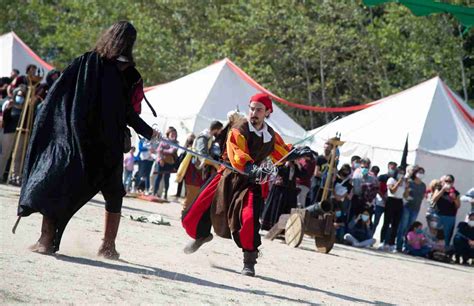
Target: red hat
[[264, 99]]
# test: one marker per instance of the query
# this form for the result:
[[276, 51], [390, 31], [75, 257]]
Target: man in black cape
[[77, 143]]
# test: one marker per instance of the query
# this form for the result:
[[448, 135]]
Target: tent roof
[[435, 119], [209, 94], [16, 54]]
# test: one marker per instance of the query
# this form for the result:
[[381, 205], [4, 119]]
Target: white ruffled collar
[[263, 132]]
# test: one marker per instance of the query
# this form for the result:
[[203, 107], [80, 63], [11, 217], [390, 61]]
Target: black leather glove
[[299, 152], [254, 172]]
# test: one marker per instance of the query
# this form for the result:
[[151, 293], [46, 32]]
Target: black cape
[[77, 140]]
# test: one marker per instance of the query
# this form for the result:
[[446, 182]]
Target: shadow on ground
[[169, 275], [305, 287]]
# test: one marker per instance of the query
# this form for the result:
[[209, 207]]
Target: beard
[[254, 120]]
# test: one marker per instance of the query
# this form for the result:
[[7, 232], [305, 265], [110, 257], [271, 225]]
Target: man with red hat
[[231, 202]]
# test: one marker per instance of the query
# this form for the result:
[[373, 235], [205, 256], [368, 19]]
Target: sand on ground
[[154, 270]]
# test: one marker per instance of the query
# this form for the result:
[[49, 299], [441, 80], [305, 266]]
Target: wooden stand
[[301, 222], [24, 127]]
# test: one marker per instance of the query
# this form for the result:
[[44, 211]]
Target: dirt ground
[[154, 270]]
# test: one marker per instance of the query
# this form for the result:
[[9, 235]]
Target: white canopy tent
[[14, 53], [192, 102], [438, 124]]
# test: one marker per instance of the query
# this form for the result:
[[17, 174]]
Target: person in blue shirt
[[360, 231]]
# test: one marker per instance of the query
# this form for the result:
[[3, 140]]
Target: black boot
[[250, 259]]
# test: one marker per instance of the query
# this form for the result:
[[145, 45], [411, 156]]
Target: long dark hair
[[116, 41]]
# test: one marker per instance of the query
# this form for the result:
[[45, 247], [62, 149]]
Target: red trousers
[[197, 219]]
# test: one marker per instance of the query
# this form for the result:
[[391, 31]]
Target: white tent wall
[[446, 132], [380, 132], [192, 102], [6, 54], [177, 102], [14, 53], [424, 113], [378, 156], [237, 93]]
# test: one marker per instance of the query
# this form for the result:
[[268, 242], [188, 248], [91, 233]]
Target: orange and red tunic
[[229, 202], [239, 154]]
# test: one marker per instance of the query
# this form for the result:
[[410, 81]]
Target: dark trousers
[[423, 252], [144, 170], [179, 192], [357, 207], [314, 190], [166, 180], [392, 217], [463, 249], [448, 223], [163, 172], [113, 190]]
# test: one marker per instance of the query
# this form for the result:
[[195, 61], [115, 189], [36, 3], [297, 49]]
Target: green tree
[[314, 52]]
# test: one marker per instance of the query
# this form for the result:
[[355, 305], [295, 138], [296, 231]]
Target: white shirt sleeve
[[4, 106]]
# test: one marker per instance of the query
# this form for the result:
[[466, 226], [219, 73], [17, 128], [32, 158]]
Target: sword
[[16, 224], [303, 140], [157, 140]]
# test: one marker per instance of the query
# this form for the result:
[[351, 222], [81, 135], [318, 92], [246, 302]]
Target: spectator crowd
[[14, 95]]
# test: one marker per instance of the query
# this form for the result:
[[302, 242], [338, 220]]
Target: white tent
[[193, 101], [438, 123], [14, 53]]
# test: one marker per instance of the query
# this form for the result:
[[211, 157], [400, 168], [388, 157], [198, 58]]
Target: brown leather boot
[[44, 245], [250, 259], [107, 249]]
